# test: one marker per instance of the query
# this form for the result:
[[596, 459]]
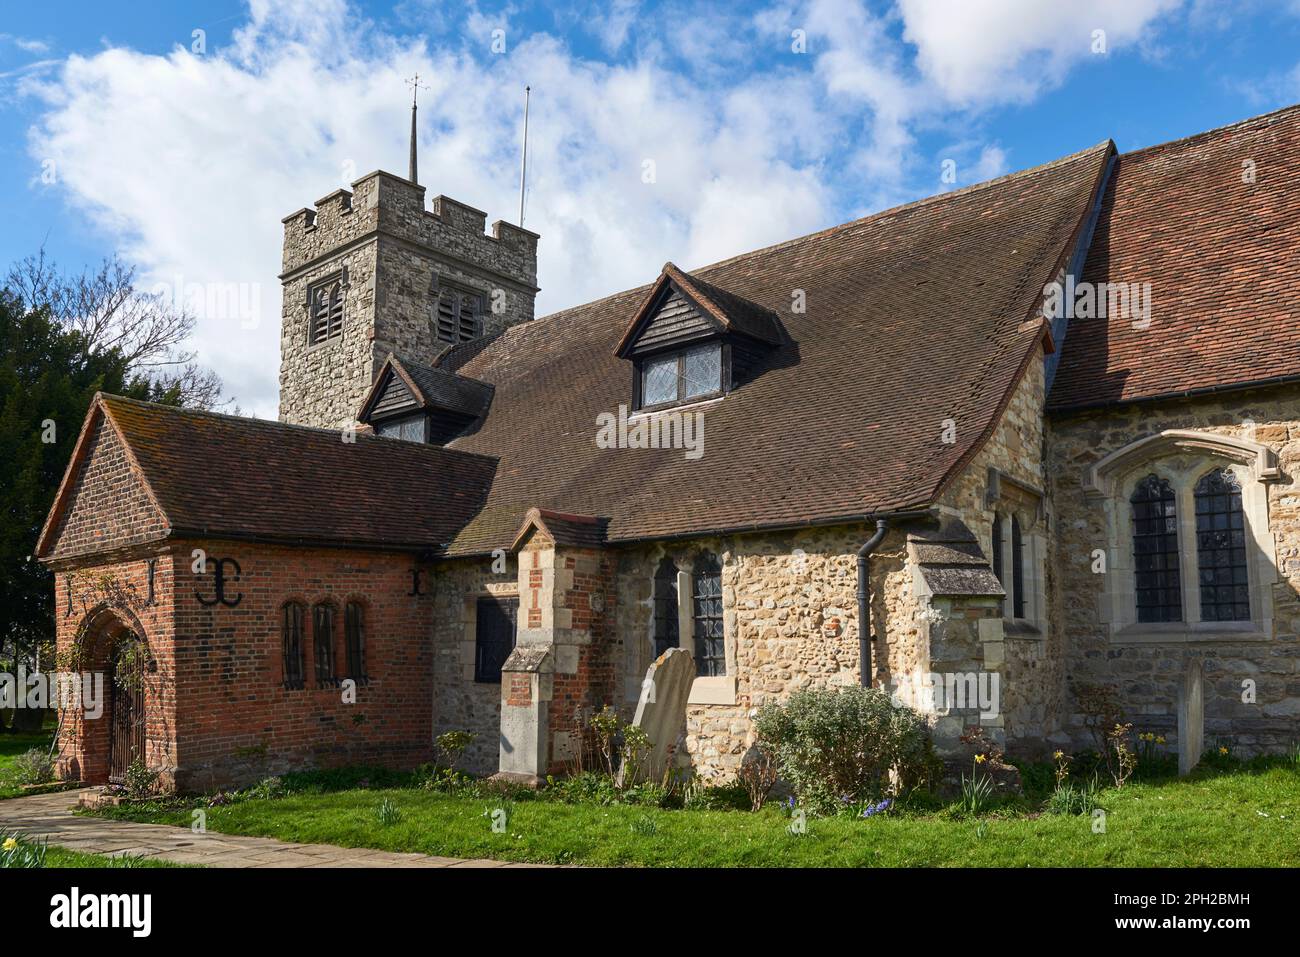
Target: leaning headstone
[[661, 709], [1191, 718]]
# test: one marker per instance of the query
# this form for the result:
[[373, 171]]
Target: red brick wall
[[238, 722], [105, 484], [83, 742], [576, 696], [218, 714]]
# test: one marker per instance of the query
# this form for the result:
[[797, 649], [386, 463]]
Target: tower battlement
[[372, 270]]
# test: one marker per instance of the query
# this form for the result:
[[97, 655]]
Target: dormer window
[[422, 404], [688, 375], [691, 340], [457, 314]]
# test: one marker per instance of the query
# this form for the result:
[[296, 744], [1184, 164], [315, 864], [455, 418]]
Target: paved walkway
[[50, 816]]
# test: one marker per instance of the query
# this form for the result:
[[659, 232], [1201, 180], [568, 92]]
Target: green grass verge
[[1216, 818], [59, 857]]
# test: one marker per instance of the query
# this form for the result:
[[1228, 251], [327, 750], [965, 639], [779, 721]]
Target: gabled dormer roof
[[724, 311], [404, 386]]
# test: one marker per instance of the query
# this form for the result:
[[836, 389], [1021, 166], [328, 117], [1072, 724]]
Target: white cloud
[[188, 162], [983, 51]]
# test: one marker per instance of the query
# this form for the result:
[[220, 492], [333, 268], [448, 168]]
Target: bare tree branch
[[104, 305]]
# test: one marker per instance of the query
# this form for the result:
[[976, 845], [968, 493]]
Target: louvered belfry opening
[[325, 304], [458, 315]]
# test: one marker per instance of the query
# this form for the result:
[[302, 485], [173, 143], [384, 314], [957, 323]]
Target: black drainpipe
[[864, 600]]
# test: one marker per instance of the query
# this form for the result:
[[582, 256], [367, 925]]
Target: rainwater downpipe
[[865, 667]]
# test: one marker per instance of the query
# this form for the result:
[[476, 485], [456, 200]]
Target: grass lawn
[[1224, 818]]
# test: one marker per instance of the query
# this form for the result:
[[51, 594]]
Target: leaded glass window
[[1155, 551], [1221, 548], [998, 550], [292, 646], [323, 643], [660, 381], [1017, 569], [355, 639], [706, 598], [694, 373], [666, 631]]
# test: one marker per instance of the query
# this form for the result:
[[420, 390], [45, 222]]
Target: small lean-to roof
[[912, 317], [1212, 223]]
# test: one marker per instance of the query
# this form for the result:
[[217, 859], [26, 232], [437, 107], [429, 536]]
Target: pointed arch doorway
[[126, 727]]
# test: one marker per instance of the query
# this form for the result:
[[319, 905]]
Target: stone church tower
[[373, 271]]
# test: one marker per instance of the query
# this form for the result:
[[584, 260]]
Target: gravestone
[[661, 709], [1191, 718]]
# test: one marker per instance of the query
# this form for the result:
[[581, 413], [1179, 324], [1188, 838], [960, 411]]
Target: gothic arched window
[[1155, 551], [666, 632], [1017, 569], [1221, 548]]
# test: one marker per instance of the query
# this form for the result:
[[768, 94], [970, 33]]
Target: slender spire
[[416, 86], [523, 162]]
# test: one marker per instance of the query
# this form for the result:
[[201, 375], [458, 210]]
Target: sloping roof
[[914, 316], [731, 312], [228, 476], [430, 388], [1220, 256], [563, 528]]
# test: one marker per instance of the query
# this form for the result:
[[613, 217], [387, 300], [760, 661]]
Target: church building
[[1018, 441]]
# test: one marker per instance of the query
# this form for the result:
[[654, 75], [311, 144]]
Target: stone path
[[50, 816]]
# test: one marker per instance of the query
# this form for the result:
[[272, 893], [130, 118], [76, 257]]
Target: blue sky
[[120, 132]]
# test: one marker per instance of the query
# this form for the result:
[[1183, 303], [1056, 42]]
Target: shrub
[[33, 767], [140, 781], [758, 776], [833, 745], [452, 745]]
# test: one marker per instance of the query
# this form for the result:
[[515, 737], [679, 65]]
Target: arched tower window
[[1221, 548], [325, 309], [1155, 551]]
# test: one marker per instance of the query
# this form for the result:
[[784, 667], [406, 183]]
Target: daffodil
[[10, 843], [1160, 739], [1222, 749], [1058, 755], [979, 759]]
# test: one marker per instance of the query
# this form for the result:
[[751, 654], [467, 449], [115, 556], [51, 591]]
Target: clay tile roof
[[1220, 256], [229, 476], [432, 388], [914, 315], [563, 528]]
